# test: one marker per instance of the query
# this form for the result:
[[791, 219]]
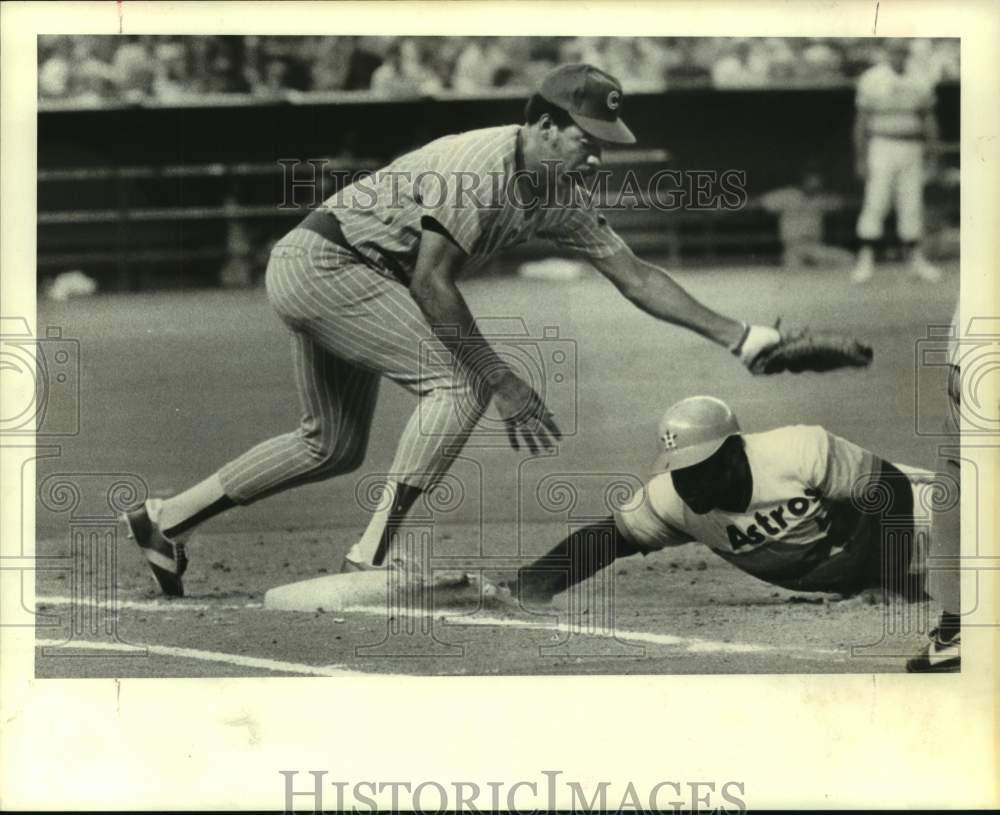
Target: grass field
[[173, 385]]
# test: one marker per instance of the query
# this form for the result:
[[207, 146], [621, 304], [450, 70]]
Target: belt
[[899, 137], [325, 224]]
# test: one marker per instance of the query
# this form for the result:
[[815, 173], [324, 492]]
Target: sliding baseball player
[[797, 506]]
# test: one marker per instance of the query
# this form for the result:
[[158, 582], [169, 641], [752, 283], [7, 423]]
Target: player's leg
[[435, 433], [910, 211], [577, 557], [448, 408], [878, 196], [943, 651], [795, 256], [336, 393], [371, 324], [876, 557], [337, 398]]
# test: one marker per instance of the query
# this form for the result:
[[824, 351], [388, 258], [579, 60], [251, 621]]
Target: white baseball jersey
[[895, 103], [800, 512]]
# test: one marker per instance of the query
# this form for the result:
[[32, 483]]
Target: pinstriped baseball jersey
[[467, 183]]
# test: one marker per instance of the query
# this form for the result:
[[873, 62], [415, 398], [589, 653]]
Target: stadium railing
[[161, 223], [700, 235]]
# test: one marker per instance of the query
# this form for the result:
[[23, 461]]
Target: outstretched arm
[[651, 289], [578, 556], [633, 528], [433, 289]]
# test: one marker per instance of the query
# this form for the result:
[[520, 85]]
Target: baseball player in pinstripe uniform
[[895, 133], [367, 286]]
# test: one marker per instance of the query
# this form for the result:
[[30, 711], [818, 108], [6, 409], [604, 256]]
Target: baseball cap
[[692, 430], [591, 97]]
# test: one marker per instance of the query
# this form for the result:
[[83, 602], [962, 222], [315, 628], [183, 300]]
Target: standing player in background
[[800, 210], [367, 286], [895, 138], [942, 654]]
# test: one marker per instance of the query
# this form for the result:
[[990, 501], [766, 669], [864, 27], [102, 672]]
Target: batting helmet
[[692, 430]]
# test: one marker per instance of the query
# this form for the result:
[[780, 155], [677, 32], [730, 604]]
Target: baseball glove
[[804, 350]]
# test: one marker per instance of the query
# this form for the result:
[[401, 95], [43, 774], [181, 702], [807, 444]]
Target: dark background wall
[[770, 134]]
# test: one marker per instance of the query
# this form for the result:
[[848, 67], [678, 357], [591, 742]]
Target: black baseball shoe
[[940, 655], [166, 558], [396, 561], [349, 566]]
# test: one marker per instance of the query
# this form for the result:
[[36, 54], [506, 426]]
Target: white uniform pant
[[895, 179]]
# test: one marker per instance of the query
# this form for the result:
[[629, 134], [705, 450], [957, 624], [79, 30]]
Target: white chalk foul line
[[275, 665], [689, 644], [692, 645], [149, 605]]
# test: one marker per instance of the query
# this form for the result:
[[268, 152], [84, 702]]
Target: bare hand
[[524, 414], [861, 168]]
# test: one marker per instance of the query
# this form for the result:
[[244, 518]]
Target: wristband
[[735, 347]]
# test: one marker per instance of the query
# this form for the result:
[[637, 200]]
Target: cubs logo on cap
[[592, 98]]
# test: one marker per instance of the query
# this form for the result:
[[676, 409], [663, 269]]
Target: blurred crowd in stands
[[92, 70]]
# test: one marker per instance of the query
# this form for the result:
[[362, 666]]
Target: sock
[[180, 514], [374, 543], [949, 626], [577, 557], [866, 254]]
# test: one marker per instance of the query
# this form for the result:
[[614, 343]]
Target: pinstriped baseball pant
[[351, 326]]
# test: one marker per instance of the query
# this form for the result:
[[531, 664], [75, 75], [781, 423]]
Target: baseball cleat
[[940, 655], [166, 558], [922, 270], [349, 566], [863, 272]]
